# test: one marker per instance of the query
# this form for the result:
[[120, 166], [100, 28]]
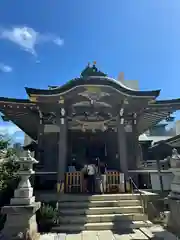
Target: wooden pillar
[[40, 153], [135, 136], [137, 151], [62, 153], [122, 144]]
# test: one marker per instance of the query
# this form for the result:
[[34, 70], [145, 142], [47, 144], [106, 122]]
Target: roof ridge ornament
[[90, 71]]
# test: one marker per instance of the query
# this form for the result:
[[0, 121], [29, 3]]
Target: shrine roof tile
[[93, 80]]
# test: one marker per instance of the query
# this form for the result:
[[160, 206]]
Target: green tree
[[8, 169], [4, 143], [8, 176]]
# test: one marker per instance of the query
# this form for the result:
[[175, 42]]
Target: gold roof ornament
[[61, 100], [152, 101], [33, 98], [91, 71]]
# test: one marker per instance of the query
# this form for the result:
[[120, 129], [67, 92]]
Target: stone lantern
[[174, 196], [24, 193], [21, 211], [175, 168]]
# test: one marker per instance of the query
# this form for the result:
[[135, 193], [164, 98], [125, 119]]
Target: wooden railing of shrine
[[74, 182], [114, 183]]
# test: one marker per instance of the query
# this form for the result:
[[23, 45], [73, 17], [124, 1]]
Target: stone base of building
[[20, 219], [173, 220]]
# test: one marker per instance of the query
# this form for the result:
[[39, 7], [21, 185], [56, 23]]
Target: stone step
[[109, 203], [101, 210], [136, 234], [158, 232], [98, 197], [101, 226], [103, 218]]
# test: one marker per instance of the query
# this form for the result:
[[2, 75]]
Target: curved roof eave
[[167, 101], [99, 81], [14, 100]]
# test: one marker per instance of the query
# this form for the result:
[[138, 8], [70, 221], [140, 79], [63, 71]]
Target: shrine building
[[92, 116]]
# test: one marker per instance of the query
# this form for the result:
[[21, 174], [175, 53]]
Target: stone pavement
[[154, 233]]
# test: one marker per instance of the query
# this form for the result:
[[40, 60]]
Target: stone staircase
[[100, 212]]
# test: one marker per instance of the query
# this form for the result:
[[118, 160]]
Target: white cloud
[[27, 38], [12, 132], [58, 41], [8, 129], [5, 68]]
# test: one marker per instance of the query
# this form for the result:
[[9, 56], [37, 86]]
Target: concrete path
[[156, 233]]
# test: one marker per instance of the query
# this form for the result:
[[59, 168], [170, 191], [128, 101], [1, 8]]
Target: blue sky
[[48, 42]]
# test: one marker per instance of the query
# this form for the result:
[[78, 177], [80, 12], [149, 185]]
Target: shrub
[[48, 212], [46, 217]]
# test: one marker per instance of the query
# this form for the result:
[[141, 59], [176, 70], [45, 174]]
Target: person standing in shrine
[[91, 171], [85, 178], [103, 178], [72, 167]]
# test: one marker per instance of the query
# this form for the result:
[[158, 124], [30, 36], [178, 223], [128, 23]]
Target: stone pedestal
[[21, 211], [174, 196], [174, 216], [175, 185], [174, 202], [20, 219]]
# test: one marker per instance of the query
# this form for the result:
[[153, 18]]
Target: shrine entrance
[[95, 148], [87, 146]]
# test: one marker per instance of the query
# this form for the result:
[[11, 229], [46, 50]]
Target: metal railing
[[134, 186], [161, 214]]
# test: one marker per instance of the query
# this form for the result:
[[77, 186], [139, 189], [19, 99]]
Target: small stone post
[[21, 211], [174, 196]]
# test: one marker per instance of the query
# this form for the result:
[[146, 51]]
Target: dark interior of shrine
[[83, 147], [87, 146]]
